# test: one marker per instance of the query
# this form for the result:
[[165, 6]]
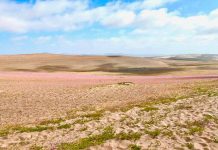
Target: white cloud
[[147, 24], [68, 15], [119, 19], [12, 24]]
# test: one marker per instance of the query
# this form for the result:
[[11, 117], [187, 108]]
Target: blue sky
[[128, 27]]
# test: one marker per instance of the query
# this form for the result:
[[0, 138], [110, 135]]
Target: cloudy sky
[[129, 27]]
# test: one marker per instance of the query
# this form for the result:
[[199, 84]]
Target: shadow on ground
[[109, 67]]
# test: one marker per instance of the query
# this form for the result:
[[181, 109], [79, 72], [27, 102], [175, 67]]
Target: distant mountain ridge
[[193, 57]]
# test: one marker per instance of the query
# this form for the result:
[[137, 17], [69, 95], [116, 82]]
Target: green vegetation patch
[[150, 121], [35, 147], [153, 133], [134, 147], [208, 118], [196, 127], [205, 90], [128, 136], [83, 143], [21, 129], [147, 109], [167, 133], [64, 126], [94, 116], [32, 129], [81, 121], [4, 132], [190, 145], [52, 121]]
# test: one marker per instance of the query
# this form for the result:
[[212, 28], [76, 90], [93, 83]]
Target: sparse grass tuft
[[210, 92], [147, 109], [196, 127], [94, 116], [32, 129], [65, 126], [215, 140], [81, 121], [168, 133], [134, 147], [208, 118], [107, 134], [4, 132], [52, 121], [153, 133], [183, 107], [84, 129], [21, 129], [150, 122], [128, 136], [168, 100], [202, 90], [190, 145], [35, 147]]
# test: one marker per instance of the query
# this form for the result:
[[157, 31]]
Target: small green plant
[[4, 132], [94, 116], [210, 92], [190, 145], [208, 118], [147, 109], [153, 133], [168, 100], [52, 121], [128, 136], [196, 127], [215, 140], [83, 143], [123, 119], [168, 133], [134, 147], [65, 126], [81, 121], [83, 129], [202, 90], [150, 122], [35, 147]]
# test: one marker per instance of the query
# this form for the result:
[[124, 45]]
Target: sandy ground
[[33, 97], [27, 99], [174, 124]]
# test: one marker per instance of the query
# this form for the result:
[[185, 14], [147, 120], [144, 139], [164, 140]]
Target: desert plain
[[108, 102]]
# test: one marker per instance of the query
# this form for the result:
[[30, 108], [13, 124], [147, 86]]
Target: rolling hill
[[181, 64]]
